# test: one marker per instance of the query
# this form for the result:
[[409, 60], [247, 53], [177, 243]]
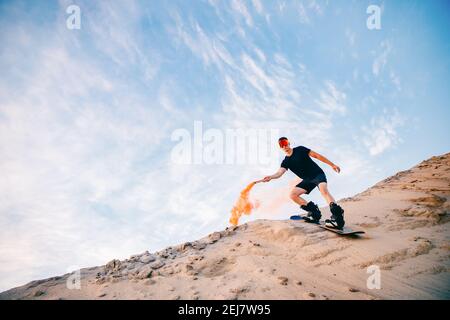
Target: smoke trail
[[243, 205]]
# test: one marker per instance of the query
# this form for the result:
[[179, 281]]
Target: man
[[299, 161]]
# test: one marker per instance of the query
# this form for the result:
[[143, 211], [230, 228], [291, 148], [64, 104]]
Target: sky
[[92, 119]]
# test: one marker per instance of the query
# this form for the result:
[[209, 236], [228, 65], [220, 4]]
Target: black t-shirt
[[301, 163]]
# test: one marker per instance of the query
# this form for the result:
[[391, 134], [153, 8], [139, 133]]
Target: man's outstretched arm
[[324, 160], [276, 175]]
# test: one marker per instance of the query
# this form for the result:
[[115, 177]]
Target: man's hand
[[336, 168], [278, 174], [324, 160]]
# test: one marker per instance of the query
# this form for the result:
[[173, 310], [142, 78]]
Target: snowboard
[[346, 231]]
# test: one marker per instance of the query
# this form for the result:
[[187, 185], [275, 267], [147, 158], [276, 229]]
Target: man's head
[[284, 144]]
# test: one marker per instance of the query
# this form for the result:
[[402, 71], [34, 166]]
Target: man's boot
[[337, 217], [314, 214]]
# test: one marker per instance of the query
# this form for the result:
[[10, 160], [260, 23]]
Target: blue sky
[[86, 116]]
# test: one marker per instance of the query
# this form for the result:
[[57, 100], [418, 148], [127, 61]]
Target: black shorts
[[309, 184]]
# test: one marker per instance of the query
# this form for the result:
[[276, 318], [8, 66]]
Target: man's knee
[[295, 193]]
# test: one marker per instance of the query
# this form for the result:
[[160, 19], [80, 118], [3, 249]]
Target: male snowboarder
[[299, 160]]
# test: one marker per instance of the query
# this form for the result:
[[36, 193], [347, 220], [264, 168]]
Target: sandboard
[[346, 231]]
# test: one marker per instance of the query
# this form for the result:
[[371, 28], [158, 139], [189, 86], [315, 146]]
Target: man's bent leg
[[310, 207], [295, 196]]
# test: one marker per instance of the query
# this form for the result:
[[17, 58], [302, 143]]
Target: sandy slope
[[407, 235]]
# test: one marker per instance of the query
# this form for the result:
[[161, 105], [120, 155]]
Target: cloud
[[381, 60], [209, 48], [395, 80], [307, 10], [304, 18], [382, 134], [258, 6], [332, 99], [240, 7]]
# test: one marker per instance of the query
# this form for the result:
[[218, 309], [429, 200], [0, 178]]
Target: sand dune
[[407, 236]]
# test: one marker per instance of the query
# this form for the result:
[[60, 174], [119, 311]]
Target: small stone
[[283, 280], [163, 255], [113, 265], [157, 264], [147, 259], [136, 257], [199, 245], [353, 290], [299, 283], [237, 244], [185, 245], [214, 237], [100, 280], [239, 290], [101, 295], [144, 272], [195, 258], [309, 295]]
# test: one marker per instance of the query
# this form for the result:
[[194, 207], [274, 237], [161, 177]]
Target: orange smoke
[[243, 205]]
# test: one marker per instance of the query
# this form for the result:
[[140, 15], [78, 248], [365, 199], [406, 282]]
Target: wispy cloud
[[332, 99], [240, 7], [395, 80], [303, 15], [382, 133], [209, 48], [381, 60], [258, 6], [307, 10]]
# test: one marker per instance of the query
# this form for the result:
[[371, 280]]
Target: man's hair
[[282, 138]]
